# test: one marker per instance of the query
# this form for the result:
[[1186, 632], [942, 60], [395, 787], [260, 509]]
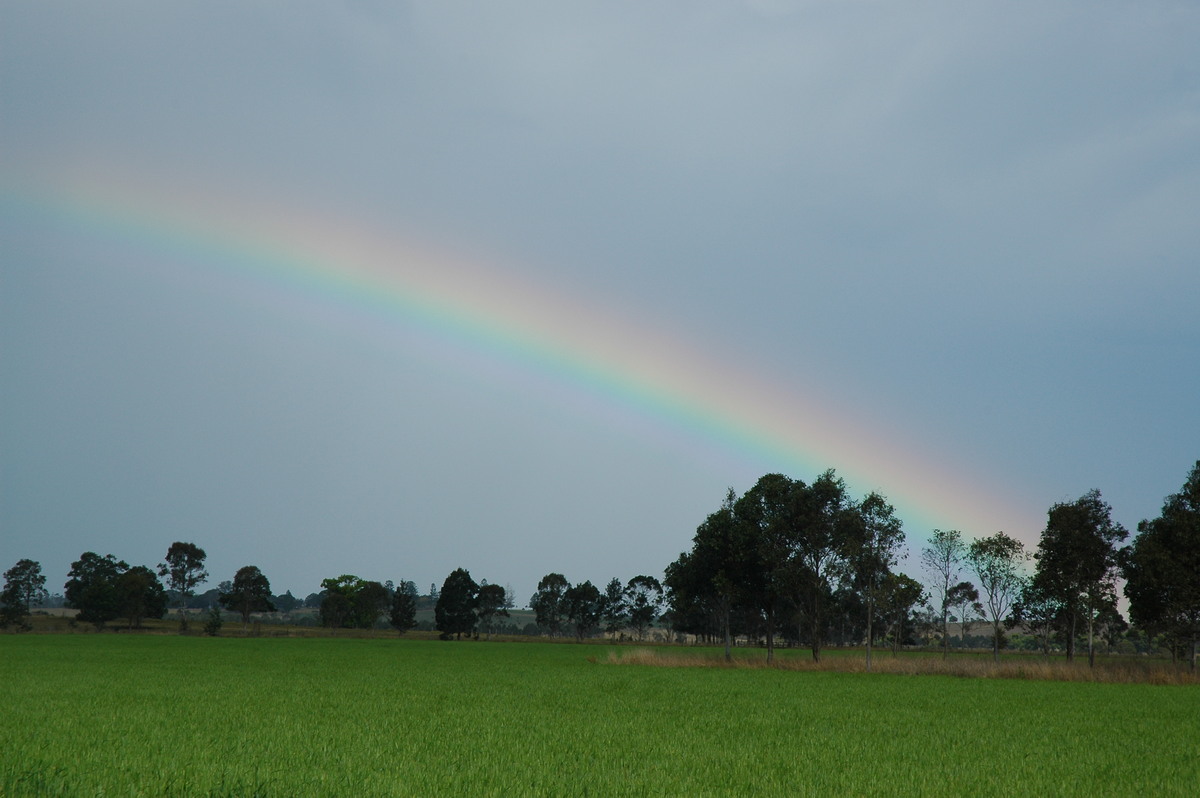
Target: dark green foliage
[[403, 615], [489, 604], [249, 592], [614, 615], [348, 601], [213, 621], [547, 603], [997, 562], [91, 588], [585, 607], [184, 571], [644, 598], [24, 587], [140, 595], [454, 614], [1077, 564], [1162, 569]]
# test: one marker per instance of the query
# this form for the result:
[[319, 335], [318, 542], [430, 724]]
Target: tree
[[996, 561], [184, 571], [1162, 568], [614, 614], [371, 600], [1037, 611], [489, 604], [1077, 563], [584, 608], [404, 607], [24, 588], [140, 595], [704, 583], [91, 587], [454, 613], [286, 602], [643, 595], [336, 609], [963, 598], [547, 602], [899, 594], [942, 560], [874, 548], [249, 592]]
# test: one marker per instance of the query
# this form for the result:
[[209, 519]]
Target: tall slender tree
[[997, 562], [942, 562], [875, 547], [184, 571], [455, 610]]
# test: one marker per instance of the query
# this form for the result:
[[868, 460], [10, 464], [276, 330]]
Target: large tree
[[963, 598], [454, 613], [183, 568], [250, 592], [705, 584], [1162, 568], [585, 608], [1077, 564], [91, 587], [489, 605], [403, 614], [547, 603], [997, 562], [942, 561], [643, 596], [140, 595], [614, 614], [24, 588], [875, 543]]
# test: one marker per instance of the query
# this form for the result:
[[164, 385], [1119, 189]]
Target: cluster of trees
[[801, 561], [560, 606], [789, 555], [466, 608]]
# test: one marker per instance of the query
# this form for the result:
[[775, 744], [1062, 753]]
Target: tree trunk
[[1071, 636], [1091, 644], [728, 642], [870, 617], [996, 642], [770, 637], [945, 631]]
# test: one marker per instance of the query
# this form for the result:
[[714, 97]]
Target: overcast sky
[[959, 241]]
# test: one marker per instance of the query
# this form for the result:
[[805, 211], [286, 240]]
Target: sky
[[394, 288]]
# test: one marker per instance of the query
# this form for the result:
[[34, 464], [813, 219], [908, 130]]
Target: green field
[[121, 715]]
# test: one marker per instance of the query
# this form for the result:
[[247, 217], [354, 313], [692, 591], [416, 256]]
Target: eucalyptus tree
[[24, 588], [706, 582], [997, 562], [249, 592], [585, 608], [942, 562], [183, 569], [489, 604], [644, 597], [872, 548], [140, 595], [1162, 568], [91, 587], [547, 602], [963, 598], [1077, 564]]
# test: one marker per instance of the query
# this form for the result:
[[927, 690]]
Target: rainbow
[[532, 331]]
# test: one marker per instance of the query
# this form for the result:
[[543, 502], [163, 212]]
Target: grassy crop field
[[125, 715]]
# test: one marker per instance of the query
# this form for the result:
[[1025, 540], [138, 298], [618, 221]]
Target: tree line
[[802, 562]]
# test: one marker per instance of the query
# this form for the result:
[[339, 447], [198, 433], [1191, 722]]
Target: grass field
[[121, 715]]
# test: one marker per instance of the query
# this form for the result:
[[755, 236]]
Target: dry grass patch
[[1107, 670]]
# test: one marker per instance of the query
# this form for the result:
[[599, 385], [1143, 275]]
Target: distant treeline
[[788, 562]]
